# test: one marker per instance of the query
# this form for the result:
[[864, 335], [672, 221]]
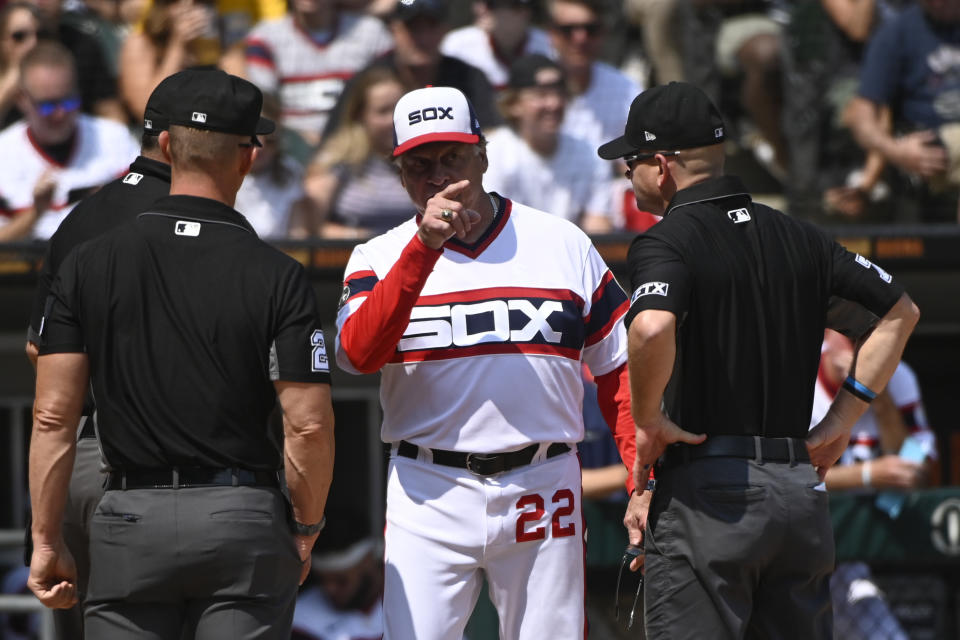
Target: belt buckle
[[484, 464]]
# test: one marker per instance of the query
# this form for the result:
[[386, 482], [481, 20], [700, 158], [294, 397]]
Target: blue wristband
[[859, 390]]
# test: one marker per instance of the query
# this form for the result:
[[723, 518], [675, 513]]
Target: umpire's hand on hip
[[653, 436], [53, 575]]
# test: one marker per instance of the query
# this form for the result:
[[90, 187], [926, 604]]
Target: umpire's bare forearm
[[308, 447], [61, 386]]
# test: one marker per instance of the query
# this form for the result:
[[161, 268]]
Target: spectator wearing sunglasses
[[19, 26], [55, 155], [600, 94]]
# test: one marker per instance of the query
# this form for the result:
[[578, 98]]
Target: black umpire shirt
[[114, 204], [751, 288], [187, 318]]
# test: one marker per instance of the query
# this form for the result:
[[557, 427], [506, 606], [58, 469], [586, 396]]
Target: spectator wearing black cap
[[730, 300], [114, 204], [192, 328], [537, 162], [418, 27], [501, 33]]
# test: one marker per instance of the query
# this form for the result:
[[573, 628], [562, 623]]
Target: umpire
[[189, 328], [730, 300], [116, 203]]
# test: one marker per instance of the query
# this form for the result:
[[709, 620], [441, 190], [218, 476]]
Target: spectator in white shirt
[[501, 34], [538, 163]]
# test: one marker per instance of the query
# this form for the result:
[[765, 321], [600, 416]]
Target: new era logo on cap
[[434, 114], [198, 117], [681, 114]]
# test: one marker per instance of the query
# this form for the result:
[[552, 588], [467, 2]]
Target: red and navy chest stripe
[[608, 304]]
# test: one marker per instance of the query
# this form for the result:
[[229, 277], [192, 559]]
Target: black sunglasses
[[254, 142], [591, 28], [21, 35], [637, 158], [631, 552]]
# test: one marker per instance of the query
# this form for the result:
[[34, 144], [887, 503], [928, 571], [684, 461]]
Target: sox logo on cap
[[434, 114]]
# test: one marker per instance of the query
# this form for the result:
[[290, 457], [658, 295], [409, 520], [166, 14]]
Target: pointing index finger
[[452, 190]]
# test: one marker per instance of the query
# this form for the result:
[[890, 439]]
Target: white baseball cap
[[434, 114]]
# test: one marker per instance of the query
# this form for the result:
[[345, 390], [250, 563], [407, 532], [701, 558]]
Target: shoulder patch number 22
[[866, 264], [319, 362]]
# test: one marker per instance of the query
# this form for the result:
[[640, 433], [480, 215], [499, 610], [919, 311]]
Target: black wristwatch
[[309, 529]]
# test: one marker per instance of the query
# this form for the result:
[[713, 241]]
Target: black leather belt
[[483, 464], [189, 477], [758, 448]]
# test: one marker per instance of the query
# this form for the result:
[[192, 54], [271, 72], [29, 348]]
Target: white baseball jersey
[[599, 114], [505, 325], [314, 617], [474, 46], [488, 361], [103, 151], [865, 436], [308, 72], [572, 181]]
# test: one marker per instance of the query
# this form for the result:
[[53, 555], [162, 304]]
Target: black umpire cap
[[155, 117], [668, 117], [214, 100], [535, 70]]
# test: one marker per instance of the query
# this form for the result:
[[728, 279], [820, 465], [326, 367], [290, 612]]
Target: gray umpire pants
[[86, 489], [203, 562], [737, 549]]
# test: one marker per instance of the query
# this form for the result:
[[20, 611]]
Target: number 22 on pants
[[532, 509]]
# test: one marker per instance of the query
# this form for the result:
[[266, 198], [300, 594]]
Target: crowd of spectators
[[845, 109]]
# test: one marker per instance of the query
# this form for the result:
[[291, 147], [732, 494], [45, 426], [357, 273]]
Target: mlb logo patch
[[187, 228], [132, 178], [650, 289], [718, 132], [198, 117], [738, 215]]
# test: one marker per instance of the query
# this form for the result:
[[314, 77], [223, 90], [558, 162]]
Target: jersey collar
[[198, 209], [499, 221], [710, 189], [150, 167]]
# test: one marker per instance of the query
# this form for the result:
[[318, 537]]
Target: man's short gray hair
[[200, 149]]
